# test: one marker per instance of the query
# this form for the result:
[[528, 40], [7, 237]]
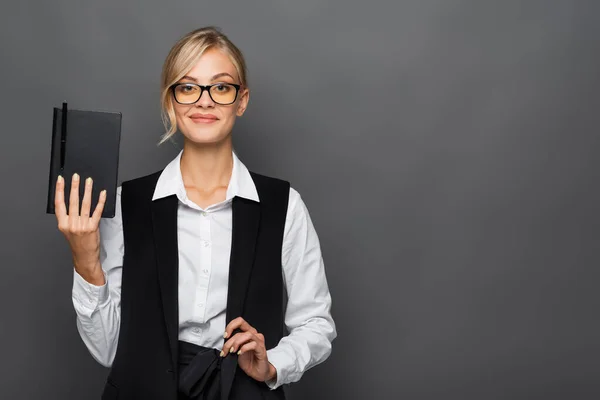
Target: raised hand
[[80, 229]]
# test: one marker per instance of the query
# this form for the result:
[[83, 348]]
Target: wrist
[[272, 374], [94, 275]]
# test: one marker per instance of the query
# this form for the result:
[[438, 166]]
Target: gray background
[[445, 149]]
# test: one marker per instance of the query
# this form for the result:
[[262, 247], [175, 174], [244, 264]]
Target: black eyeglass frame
[[207, 88]]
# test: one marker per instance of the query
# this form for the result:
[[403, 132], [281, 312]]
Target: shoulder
[[271, 189], [142, 182], [263, 180], [266, 180], [137, 190], [295, 209], [142, 186]]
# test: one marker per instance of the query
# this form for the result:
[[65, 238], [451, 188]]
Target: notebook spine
[[52, 174], [63, 136]]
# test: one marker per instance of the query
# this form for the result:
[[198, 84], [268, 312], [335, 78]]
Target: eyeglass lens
[[221, 93]]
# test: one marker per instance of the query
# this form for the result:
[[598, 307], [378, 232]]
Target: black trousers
[[203, 376]]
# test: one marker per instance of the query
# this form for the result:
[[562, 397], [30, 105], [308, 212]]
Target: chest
[[204, 240]]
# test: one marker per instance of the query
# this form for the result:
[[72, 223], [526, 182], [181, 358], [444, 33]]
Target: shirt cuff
[[284, 365], [87, 296]]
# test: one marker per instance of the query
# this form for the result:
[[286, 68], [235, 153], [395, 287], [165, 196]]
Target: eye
[[187, 88], [222, 87]]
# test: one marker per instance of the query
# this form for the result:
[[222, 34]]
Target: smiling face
[[206, 121]]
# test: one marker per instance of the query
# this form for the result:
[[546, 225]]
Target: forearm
[[305, 347], [94, 276], [98, 318]]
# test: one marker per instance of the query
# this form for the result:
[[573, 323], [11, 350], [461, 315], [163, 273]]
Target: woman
[[182, 293]]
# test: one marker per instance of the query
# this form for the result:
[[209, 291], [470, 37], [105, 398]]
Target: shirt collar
[[170, 181]]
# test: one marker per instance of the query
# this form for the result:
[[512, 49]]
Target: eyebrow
[[212, 79]]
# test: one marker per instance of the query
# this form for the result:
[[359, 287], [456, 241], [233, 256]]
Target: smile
[[203, 118]]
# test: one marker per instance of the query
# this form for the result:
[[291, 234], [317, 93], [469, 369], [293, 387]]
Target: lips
[[198, 117]]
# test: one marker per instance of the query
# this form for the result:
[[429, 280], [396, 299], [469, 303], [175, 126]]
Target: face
[[206, 121]]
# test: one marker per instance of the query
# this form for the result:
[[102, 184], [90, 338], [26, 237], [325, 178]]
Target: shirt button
[[206, 243], [196, 330], [205, 271], [204, 213], [200, 305]]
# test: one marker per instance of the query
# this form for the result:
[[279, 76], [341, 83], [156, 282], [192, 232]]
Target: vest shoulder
[[266, 180], [141, 183]]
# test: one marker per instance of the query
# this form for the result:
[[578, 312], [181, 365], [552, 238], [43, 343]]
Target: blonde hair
[[182, 57]]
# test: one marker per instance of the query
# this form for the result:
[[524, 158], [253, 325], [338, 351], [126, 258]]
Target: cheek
[[228, 114], [180, 113], [179, 119]]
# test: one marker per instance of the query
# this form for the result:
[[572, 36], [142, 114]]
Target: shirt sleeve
[[97, 308], [308, 313]]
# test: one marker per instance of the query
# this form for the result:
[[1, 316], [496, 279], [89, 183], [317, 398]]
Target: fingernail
[[222, 354], [103, 193], [231, 350], [239, 353], [225, 334], [60, 178], [88, 181], [76, 176]]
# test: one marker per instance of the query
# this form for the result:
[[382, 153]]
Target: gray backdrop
[[445, 149]]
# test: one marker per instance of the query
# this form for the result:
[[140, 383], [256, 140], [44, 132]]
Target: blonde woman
[[182, 293]]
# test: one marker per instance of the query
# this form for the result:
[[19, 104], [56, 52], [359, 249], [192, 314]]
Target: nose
[[205, 100]]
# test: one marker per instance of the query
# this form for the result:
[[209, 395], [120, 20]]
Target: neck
[[208, 166]]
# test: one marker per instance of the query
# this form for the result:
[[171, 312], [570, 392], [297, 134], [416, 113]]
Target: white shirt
[[204, 239]]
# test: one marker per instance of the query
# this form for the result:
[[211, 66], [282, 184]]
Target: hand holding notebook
[[84, 166], [81, 227]]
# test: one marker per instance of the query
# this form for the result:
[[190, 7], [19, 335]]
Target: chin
[[204, 136]]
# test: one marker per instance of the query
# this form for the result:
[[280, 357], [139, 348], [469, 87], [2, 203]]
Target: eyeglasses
[[220, 93]]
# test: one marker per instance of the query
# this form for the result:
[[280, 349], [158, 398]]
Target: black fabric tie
[[204, 374]]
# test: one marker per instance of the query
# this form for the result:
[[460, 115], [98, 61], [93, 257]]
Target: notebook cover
[[91, 150]]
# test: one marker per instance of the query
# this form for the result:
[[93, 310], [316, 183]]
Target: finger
[[86, 203], [99, 207], [74, 197], [238, 323], [250, 346], [60, 210], [237, 341]]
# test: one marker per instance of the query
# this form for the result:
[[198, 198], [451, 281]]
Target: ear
[[243, 102]]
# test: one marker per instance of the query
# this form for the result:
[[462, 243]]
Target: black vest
[[145, 364]]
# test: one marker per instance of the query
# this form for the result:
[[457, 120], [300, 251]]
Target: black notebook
[[87, 143]]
